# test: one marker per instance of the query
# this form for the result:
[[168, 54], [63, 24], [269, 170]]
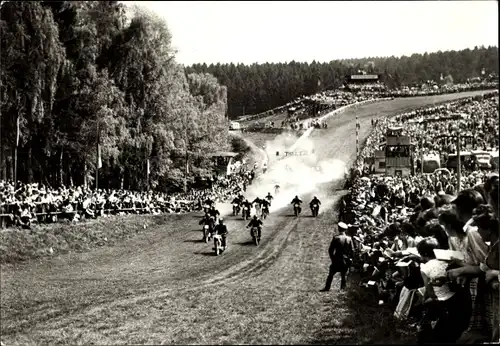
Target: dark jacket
[[213, 212], [221, 230], [314, 201], [341, 251], [265, 203], [255, 223]]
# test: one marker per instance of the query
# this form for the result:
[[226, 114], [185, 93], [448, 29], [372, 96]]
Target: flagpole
[[15, 151], [147, 171], [97, 160]]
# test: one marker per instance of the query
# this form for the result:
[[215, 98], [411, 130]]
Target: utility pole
[[147, 170], [98, 158], [186, 153], [15, 150], [459, 164], [421, 156]]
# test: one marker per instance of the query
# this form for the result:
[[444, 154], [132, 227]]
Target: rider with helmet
[[314, 201], [256, 222], [298, 201], [214, 212], [269, 198], [247, 204], [258, 203], [221, 230], [237, 204], [209, 221], [265, 204]]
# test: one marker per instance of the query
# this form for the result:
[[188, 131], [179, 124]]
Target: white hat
[[342, 225]]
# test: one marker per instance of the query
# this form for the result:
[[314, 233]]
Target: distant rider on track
[[256, 222], [269, 198], [247, 204], [298, 201], [221, 230], [315, 201], [237, 201], [214, 212], [265, 204], [258, 203], [208, 220]]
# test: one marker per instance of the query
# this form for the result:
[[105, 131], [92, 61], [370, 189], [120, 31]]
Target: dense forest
[[78, 73], [256, 88]]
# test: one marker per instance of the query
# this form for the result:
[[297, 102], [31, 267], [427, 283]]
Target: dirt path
[[166, 286]]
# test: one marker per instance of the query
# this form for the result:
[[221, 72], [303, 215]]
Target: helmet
[[221, 220], [255, 217], [315, 197]]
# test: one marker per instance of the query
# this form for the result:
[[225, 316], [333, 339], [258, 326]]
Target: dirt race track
[[165, 286]]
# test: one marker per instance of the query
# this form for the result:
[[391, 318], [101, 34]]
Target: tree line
[[75, 74], [255, 88]]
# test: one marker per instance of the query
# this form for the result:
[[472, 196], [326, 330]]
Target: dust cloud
[[296, 175]]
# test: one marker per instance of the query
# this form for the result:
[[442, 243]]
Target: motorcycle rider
[[256, 222], [208, 220], [298, 201], [213, 212], [247, 204], [237, 201], [258, 203], [221, 230], [265, 204], [208, 202], [314, 201], [269, 198]]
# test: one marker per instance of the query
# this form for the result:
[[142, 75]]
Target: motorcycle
[[315, 210], [257, 208], [218, 248], [206, 233], [265, 212], [254, 232], [236, 209], [246, 213], [296, 209]]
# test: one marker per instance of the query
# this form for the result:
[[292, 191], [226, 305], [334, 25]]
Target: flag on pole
[[18, 132], [441, 77], [147, 166], [99, 160], [483, 71], [319, 82]]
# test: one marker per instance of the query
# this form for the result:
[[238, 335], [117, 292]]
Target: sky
[[271, 31]]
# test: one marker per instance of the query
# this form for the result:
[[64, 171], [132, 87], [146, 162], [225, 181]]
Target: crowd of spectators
[[475, 117], [425, 248], [23, 204], [353, 93]]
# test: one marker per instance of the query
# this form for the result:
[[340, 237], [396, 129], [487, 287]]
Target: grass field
[[165, 286]]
